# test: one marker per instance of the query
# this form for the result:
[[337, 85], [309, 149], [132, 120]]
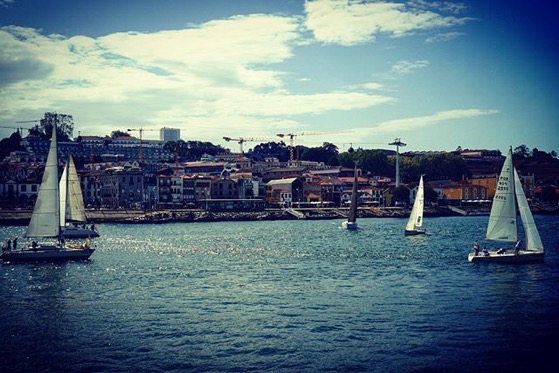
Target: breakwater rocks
[[22, 217]]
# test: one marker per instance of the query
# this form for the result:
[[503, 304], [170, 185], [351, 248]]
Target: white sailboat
[[45, 220], [503, 226], [415, 220], [351, 222], [72, 212]]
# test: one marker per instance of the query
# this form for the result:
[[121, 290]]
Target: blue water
[[301, 296]]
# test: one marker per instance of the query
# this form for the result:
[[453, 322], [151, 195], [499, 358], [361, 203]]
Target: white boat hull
[[509, 257], [77, 232], [349, 225], [414, 232], [47, 254]]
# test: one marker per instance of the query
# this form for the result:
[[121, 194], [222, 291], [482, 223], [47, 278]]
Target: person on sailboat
[[61, 239], [518, 247], [476, 248], [15, 243]]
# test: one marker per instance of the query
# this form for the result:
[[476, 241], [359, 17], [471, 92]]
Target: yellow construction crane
[[242, 140], [141, 130], [293, 135], [20, 128]]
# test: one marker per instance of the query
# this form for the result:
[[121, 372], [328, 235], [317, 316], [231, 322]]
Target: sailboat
[[351, 222], [415, 220], [72, 210], [45, 221], [502, 225]]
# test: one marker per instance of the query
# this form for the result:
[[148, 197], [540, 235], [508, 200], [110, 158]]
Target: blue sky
[[437, 74]]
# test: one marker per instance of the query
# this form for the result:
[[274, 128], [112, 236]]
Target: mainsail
[[502, 220], [416, 216], [45, 220]]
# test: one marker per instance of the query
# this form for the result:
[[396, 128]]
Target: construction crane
[[293, 135], [242, 140], [141, 130], [20, 129]]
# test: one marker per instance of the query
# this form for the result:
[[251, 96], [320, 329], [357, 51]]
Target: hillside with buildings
[[127, 172]]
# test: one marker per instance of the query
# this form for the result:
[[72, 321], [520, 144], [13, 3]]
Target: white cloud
[[408, 67], [6, 3], [221, 73], [409, 124], [353, 22], [439, 38]]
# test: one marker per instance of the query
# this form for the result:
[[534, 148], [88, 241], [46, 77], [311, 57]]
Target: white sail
[[45, 220], [71, 199], [416, 217], [63, 189], [502, 220], [533, 240]]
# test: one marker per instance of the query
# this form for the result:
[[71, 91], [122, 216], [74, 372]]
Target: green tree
[[64, 126], [541, 156], [430, 194], [119, 133], [402, 194], [548, 194], [10, 144], [270, 149], [433, 166], [522, 152], [193, 150], [326, 153], [374, 162]]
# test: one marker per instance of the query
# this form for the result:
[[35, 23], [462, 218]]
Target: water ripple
[[280, 296]]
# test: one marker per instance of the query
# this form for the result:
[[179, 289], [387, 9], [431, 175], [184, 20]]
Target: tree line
[[373, 162]]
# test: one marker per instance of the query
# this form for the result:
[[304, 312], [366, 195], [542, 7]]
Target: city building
[[169, 134]]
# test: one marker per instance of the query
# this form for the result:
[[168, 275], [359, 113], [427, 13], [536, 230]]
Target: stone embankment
[[22, 217]]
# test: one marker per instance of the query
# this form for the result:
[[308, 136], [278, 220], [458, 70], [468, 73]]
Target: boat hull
[[76, 232], [47, 254], [414, 232], [493, 257], [349, 225]]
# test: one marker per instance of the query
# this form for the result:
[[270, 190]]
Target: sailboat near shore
[[45, 221], [72, 211], [351, 222], [503, 226], [415, 220]]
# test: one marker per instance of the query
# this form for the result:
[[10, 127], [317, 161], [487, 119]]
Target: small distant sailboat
[[502, 225], [415, 220], [351, 222], [45, 221], [72, 210]]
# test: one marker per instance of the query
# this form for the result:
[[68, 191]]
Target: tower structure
[[398, 143]]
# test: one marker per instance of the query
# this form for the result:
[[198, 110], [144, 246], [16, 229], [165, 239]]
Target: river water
[[291, 296]]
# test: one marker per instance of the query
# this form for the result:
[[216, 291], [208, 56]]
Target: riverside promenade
[[22, 217]]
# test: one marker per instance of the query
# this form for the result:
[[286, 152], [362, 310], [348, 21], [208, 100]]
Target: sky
[[438, 74]]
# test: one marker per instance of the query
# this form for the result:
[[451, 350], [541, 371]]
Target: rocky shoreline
[[22, 217]]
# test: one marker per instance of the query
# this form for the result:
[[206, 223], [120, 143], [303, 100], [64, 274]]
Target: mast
[[352, 216]]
